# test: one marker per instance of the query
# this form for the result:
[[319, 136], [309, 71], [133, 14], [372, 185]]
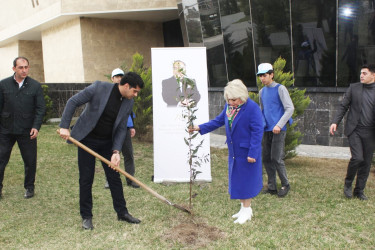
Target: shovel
[[114, 167]]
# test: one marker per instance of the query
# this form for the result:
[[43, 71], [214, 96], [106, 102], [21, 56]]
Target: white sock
[[239, 212], [245, 215]]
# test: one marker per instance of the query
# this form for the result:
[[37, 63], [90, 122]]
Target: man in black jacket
[[359, 99], [22, 108]]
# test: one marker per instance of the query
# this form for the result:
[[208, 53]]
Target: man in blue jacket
[[277, 109], [101, 127], [22, 108]]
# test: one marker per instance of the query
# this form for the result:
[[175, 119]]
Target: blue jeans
[[273, 158], [86, 165]]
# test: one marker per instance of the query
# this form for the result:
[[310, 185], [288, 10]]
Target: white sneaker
[[239, 212], [245, 215]]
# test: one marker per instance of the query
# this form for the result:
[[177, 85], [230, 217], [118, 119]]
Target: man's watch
[[116, 152]]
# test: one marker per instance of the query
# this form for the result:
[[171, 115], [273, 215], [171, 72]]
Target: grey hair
[[236, 89]]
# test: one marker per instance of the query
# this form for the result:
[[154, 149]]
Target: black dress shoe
[[269, 191], [87, 224], [128, 218], [361, 196], [348, 192], [132, 184], [283, 191], [29, 193]]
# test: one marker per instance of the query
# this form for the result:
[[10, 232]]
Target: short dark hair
[[268, 72], [20, 57], [370, 67], [133, 79]]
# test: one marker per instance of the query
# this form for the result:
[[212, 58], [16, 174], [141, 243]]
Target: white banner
[[170, 150]]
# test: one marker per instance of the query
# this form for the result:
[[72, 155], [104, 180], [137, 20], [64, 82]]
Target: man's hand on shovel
[[64, 133], [115, 159]]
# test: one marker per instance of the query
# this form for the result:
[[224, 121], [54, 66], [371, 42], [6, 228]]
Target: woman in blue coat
[[243, 122]]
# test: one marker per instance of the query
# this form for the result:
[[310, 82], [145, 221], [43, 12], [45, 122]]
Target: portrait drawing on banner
[[172, 91]]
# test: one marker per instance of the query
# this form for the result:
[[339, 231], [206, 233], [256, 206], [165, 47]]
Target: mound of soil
[[194, 235]]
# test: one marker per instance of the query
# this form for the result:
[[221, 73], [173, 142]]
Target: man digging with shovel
[[101, 127]]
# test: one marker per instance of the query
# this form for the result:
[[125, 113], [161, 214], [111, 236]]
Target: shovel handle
[[114, 167]]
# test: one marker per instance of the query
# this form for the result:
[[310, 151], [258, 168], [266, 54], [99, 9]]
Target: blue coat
[[243, 140]]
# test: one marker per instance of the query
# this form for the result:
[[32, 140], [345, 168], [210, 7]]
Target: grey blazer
[[96, 97]]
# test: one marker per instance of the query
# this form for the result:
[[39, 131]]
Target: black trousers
[[28, 149], [86, 165], [362, 145], [127, 152]]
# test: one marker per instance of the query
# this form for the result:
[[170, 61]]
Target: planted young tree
[[189, 105], [300, 102]]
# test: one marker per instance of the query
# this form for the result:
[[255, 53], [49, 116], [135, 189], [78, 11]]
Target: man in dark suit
[[173, 92], [22, 108], [359, 99], [102, 126]]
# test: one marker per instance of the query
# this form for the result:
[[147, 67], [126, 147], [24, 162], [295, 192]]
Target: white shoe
[[245, 215], [239, 212]]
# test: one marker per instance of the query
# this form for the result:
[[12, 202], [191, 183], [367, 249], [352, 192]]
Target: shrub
[[143, 102], [49, 104], [300, 102]]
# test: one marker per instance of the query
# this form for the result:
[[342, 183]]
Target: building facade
[[71, 41], [324, 42], [75, 42]]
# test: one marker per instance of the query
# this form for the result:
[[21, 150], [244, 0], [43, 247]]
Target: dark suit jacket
[[96, 97], [171, 92], [352, 101], [21, 108]]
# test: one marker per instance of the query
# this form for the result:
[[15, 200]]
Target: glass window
[[314, 42], [356, 39], [238, 41], [213, 41], [192, 22], [272, 31]]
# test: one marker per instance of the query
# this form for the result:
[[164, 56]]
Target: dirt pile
[[194, 235]]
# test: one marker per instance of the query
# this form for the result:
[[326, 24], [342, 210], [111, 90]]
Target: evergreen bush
[[143, 102], [49, 104]]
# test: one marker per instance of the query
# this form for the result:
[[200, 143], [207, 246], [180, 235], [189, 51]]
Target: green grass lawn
[[315, 214]]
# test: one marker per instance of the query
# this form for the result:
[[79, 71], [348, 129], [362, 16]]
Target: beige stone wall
[[8, 53], [20, 15], [32, 50], [108, 43], [62, 53], [68, 6]]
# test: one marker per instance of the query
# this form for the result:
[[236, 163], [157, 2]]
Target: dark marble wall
[[60, 93], [315, 122]]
